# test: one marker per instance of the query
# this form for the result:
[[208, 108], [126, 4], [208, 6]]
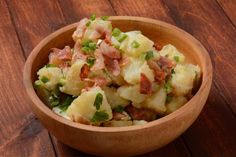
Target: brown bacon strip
[[145, 85], [140, 113], [84, 72], [159, 74], [60, 57], [109, 51], [99, 63], [158, 46], [112, 66]]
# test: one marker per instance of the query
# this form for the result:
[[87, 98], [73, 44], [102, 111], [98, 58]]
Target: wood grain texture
[[208, 29], [34, 20], [75, 10], [20, 133], [229, 7]]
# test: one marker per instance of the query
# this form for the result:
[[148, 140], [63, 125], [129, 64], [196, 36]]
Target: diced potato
[[183, 78], [132, 71], [131, 93], [172, 53], [156, 102], [175, 103], [117, 123], [58, 111], [72, 83], [90, 32], [144, 44], [114, 98], [51, 75], [83, 106], [139, 122]]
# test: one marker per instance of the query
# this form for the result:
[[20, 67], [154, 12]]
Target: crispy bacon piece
[[79, 32], [112, 66], [104, 33], [166, 65], [159, 74], [124, 60], [96, 81], [60, 57], [145, 85], [99, 62], [140, 113], [109, 51], [158, 46], [84, 71]]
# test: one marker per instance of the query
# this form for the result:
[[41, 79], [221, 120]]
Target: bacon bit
[[158, 46], [104, 33], [109, 51], [84, 71], [165, 63], [60, 57], [78, 54], [99, 63], [159, 74], [145, 85], [140, 113], [96, 81], [112, 66], [79, 32], [124, 61]]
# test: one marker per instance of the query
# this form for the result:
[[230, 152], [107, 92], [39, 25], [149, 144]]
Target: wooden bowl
[[131, 140]]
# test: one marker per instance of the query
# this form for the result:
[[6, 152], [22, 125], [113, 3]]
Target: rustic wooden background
[[23, 23]]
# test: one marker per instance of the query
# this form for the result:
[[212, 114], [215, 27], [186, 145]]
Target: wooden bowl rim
[[206, 79]]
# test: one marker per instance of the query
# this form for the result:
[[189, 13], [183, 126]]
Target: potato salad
[[112, 78]]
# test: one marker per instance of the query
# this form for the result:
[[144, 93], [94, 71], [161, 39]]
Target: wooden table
[[24, 23]]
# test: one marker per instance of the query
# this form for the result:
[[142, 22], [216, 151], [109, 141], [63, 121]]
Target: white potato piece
[[91, 32], [172, 53], [52, 75], [183, 78], [73, 83], [139, 122], [156, 102], [131, 93], [175, 103], [117, 123], [114, 98], [144, 43], [83, 106], [132, 71]]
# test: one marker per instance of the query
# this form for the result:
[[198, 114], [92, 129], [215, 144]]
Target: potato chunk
[[83, 106], [132, 71], [114, 98], [135, 44], [175, 103], [50, 76], [73, 83], [131, 93], [183, 78], [172, 53], [156, 102]]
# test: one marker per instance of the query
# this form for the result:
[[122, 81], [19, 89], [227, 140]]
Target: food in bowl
[[113, 78]]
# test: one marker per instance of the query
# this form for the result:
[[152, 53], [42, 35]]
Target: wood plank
[[20, 133], [83, 8], [229, 7], [213, 134], [34, 20]]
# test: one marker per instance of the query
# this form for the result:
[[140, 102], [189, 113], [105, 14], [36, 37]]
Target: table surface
[[24, 23]]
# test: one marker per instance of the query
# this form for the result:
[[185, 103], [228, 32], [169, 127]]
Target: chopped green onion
[[44, 79], [92, 46], [135, 44], [37, 84], [88, 23], [149, 55], [88, 46], [104, 18], [85, 49], [100, 116], [119, 108], [53, 100], [93, 17], [91, 61], [66, 103], [50, 65], [168, 87], [168, 98], [98, 101], [176, 58], [116, 32], [122, 37]]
